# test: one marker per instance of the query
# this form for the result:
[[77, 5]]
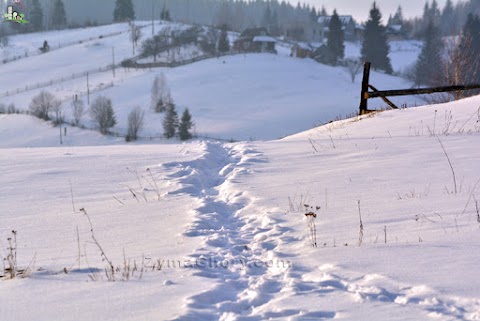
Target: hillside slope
[[242, 97]]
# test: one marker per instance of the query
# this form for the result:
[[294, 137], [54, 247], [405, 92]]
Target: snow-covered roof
[[396, 27], [263, 39], [345, 20], [304, 46]]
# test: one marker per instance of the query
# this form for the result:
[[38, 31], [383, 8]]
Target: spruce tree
[[375, 46], [36, 16], [170, 122], [447, 19], [223, 42], [274, 27], [267, 18], [59, 18], [313, 15], [123, 11], [185, 126], [165, 13], [323, 12], [428, 68], [398, 17], [336, 38]]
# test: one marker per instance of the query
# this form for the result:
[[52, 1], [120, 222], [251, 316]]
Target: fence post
[[365, 81]]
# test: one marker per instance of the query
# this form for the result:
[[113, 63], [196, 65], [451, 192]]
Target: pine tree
[[170, 122], [36, 16], [274, 27], [223, 42], [397, 19], [165, 13], [448, 19], [336, 38], [435, 11], [313, 15], [323, 12], [426, 12], [428, 71], [123, 11], [375, 46], [185, 126], [59, 18], [267, 18]]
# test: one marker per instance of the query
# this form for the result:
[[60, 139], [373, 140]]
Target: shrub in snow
[[160, 94], [42, 104], [78, 110], [135, 123], [102, 114]]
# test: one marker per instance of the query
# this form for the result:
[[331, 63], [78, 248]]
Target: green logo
[[13, 16]]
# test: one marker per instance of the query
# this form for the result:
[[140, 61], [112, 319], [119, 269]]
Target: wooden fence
[[383, 94]]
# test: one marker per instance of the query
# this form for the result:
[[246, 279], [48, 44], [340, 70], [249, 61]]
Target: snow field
[[228, 97]]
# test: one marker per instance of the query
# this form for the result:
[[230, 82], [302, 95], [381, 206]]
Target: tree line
[[48, 107]]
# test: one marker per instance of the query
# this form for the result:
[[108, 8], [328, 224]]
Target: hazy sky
[[360, 8]]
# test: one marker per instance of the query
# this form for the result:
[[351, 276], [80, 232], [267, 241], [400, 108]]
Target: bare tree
[[43, 103], [353, 66], [459, 64], [160, 93], [102, 114], [57, 108], [153, 47], [135, 123], [78, 110], [209, 40], [135, 35]]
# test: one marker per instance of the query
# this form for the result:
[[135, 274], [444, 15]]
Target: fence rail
[[56, 81], [131, 63], [173, 64], [60, 46], [375, 93]]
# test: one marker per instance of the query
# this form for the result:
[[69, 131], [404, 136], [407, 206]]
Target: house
[[255, 40], [302, 50], [348, 24], [324, 55], [396, 32]]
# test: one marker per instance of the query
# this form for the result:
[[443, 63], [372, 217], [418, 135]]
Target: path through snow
[[243, 255]]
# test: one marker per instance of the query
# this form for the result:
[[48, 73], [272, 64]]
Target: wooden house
[[302, 50], [255, 40]]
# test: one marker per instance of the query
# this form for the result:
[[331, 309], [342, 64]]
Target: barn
[[255, 40]]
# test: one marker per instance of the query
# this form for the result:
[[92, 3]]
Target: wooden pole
[[388, 102], [113, 60], [88, 91], [364, 94], [153, 18]]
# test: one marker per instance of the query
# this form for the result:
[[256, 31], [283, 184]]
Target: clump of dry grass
[[311, 215], [11, 269]]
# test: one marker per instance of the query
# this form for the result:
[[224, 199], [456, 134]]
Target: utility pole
[[153, 17], [113, 61], [88, 91], [60, 126]]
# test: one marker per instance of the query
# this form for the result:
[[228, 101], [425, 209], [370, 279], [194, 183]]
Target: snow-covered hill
[[254, 96]]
